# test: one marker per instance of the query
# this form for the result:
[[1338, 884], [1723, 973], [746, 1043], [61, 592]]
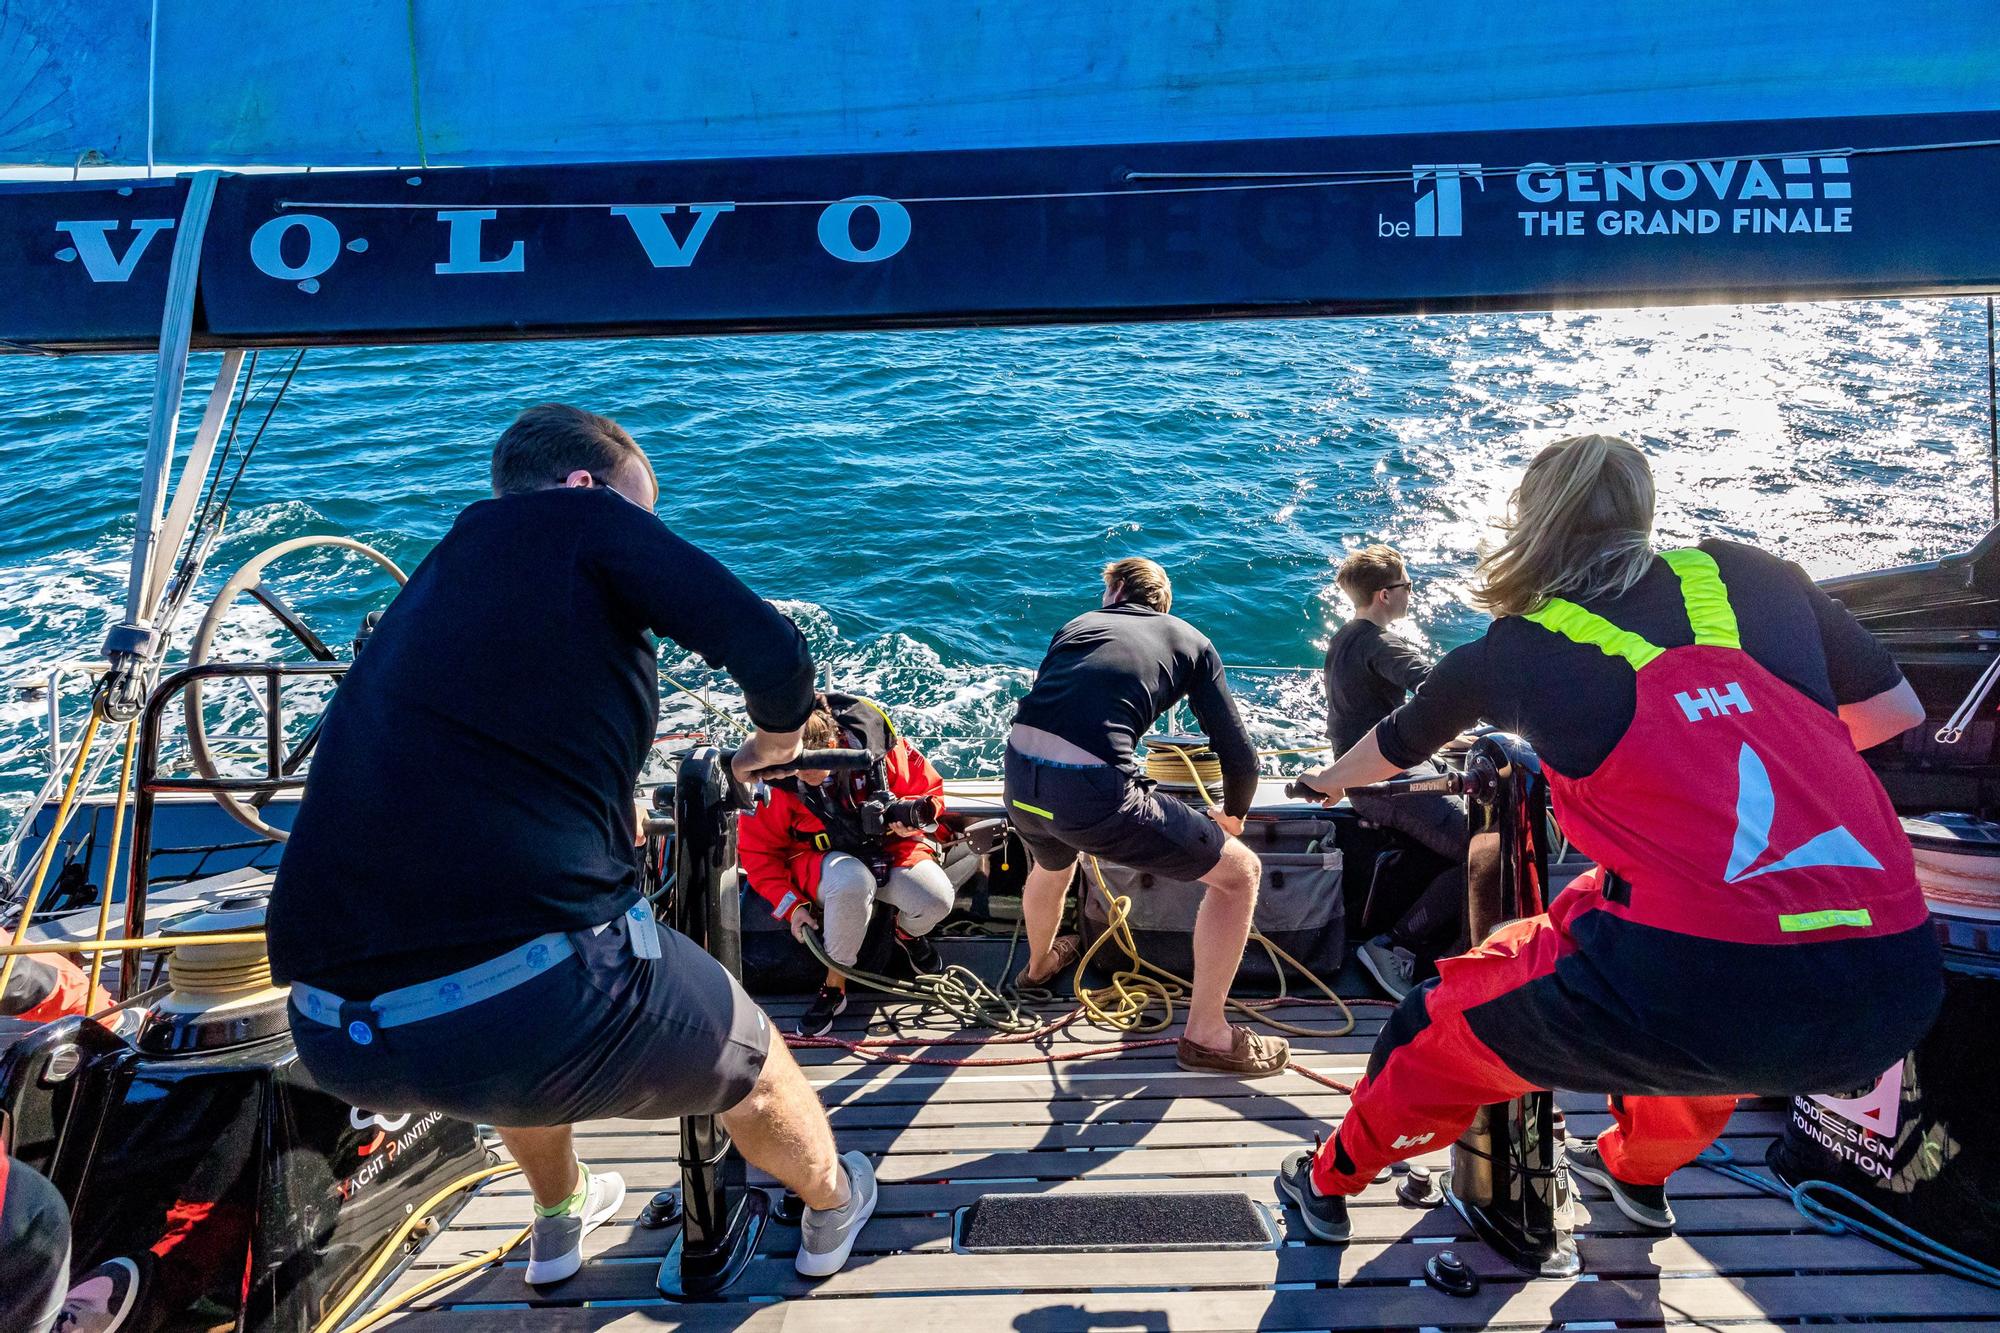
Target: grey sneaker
[[1394, 969], [827, 1237], [555, 1243], [1645, 1204]]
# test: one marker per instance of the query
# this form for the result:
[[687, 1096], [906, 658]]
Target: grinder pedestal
[[1508, 1182], [1507, 1177], [722, 1216]]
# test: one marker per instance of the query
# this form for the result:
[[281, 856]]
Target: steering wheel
[[250, 579]]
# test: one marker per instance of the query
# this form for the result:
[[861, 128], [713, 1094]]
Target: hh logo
[[1410, 1141], [1755, 804], [1711, 702]]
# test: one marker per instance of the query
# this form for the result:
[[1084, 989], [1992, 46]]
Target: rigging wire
[[250, 450], [1214, 183], [244, 397], [173, 600]]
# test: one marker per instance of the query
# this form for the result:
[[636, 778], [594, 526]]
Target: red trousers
[[1422, 1090]]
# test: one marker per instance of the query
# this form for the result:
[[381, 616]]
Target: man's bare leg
[[1221, 930], [1042, 898], [547, 1160], [781, 1129]]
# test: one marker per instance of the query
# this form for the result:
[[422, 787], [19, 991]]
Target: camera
[[880, 811]]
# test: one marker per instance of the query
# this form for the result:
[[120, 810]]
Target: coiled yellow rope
[[1135, 989]]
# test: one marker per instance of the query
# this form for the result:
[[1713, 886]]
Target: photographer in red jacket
[[829, 846]]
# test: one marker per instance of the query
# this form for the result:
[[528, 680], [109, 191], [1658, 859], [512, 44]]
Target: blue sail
[[649, 168], [515, 82]]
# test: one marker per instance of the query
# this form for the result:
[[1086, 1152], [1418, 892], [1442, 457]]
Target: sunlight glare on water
[[931, 506]]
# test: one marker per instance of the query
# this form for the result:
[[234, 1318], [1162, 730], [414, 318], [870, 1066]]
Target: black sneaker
[[1645, 1204], [817, 1020], [923, 955], [1325, 1215]]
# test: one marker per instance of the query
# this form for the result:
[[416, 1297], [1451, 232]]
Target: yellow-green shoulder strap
[[1587, 627], [1709, 613]]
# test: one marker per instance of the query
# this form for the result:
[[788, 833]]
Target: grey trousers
[[921, 894]]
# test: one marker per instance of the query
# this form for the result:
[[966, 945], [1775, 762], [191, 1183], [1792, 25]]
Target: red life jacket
[[1734, 807]]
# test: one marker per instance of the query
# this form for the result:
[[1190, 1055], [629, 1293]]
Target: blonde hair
[[1367, 572], [1578, 526], [1144, 582]]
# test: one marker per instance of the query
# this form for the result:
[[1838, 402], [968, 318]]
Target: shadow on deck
[[941, 1137]]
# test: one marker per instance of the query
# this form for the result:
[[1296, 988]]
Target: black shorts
[[1063, 809], [601, 1035]]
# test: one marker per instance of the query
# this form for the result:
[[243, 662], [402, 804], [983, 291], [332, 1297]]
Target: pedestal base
[[1543, 1254], [691, 1274]]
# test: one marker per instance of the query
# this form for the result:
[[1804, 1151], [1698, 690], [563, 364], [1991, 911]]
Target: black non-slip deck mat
[[1043, 1223]]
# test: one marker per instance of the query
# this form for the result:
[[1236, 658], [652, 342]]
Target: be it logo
[[1440, 207]]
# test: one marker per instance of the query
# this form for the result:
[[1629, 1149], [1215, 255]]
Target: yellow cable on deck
[[387, 1252], [111, 864], [1132, 991], [42, 862]]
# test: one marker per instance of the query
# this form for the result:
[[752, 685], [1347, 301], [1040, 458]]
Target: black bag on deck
[[1300, 908]]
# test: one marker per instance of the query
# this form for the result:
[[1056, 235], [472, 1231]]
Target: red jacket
[[47, 986], [775, 843]]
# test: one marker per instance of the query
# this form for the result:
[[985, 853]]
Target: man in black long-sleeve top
[[1072, 786], [458, 908], [1368, 673]]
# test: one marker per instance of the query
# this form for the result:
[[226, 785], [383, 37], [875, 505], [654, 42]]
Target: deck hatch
[[1087, 1223]]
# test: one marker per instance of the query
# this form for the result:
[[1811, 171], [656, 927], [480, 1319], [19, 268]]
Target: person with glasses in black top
[[1369, 672]]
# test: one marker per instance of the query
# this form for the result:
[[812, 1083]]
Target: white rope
[[1250, 180]]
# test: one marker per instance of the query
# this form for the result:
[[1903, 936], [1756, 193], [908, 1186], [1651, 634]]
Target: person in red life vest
[[812, 854], [47, 986], [1754, 925]]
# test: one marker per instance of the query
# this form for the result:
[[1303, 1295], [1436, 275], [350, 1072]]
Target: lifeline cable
[[1892, 1233]]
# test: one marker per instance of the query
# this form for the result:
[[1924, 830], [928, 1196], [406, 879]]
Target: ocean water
[[931, 506]]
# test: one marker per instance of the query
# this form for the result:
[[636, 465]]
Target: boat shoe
[[1063, 953], [1250, 1055]]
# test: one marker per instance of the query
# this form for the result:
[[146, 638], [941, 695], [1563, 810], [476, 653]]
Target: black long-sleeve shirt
[[473, 784], [1110, 674], [1574, 704], [1368, 672]]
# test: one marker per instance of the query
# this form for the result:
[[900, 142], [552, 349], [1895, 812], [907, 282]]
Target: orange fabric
[[68, 996], [1423, 1095], [774, 843], [1657, 1136]]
